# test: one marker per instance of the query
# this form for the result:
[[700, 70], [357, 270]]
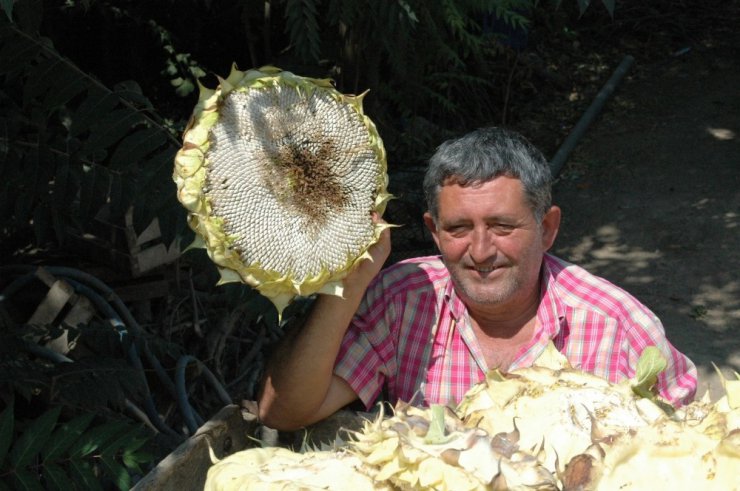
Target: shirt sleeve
[[366, 357]]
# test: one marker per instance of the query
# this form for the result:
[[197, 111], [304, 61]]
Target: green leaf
[[303, 29], [172, 221], [41, 79], [68, 84], [130, 91], [7, 6], [97, 437], [157, 171], [56, 478], [116, 472], [436, 432], [41, 222], [650, 364], [6, 431], [93, 191], [64, 436], [109, 129], [135, 147], [28, 16], [122, 191], [185, 88], [16, 52], [128, 441], [62, 189], [84, 475], [98, 103], [131, 461], [609, 4], [25, 480], [33, 439]]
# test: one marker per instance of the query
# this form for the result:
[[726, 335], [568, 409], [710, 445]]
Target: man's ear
[[432, 226], [550, 226]]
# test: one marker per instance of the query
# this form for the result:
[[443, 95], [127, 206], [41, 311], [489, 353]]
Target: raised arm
[[299, 387]]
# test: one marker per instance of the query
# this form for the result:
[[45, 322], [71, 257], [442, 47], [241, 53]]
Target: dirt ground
[[651, 200]]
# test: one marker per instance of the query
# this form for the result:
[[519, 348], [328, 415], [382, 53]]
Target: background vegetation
[[106, 365]]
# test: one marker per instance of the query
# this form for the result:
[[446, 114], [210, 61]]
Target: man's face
[[491, 242]]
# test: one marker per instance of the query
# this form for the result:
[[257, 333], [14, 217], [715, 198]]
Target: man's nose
[[482, 247]]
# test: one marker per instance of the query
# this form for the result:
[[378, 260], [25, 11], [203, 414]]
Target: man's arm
[[299, 387]]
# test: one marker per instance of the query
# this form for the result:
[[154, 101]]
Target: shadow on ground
[[651, 201]]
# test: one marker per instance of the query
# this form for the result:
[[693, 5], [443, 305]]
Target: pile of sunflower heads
[[548, 427]]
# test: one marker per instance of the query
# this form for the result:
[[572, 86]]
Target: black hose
[[112, 307], [111, 298], [593, 110], [182, 395], [106, 310]]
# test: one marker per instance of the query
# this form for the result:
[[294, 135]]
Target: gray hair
[[483, 155]]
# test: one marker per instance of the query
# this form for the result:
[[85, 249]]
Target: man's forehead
[[502, 195]]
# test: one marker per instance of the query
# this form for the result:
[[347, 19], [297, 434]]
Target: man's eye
[[456, 229], [503, 228]]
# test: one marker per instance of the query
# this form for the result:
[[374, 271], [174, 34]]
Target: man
[[426, 329]]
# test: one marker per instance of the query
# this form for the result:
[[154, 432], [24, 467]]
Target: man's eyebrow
[[506, 218]]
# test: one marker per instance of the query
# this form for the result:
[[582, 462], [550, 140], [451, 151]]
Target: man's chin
[[480, 294]]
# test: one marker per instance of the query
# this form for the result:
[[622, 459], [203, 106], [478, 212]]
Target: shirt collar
[[551, 312], [454, 303]]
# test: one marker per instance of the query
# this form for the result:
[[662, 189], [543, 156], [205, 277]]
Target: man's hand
[[360, 277]]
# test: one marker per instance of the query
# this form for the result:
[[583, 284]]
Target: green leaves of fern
[[45, 453], [303, 27], [74, 148]]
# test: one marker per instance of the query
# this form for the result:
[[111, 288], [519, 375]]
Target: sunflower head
[[280, 175]]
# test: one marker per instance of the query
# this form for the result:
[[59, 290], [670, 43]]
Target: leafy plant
[[433, 70], [47, 453], [73, 149], [29, 369], [650, 364]]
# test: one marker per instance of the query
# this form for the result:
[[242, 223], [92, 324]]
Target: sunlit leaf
[[649, 366], [436, 432], [64, 436], [118, 474], [97, 437]]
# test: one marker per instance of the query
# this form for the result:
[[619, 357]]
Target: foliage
[[80, 145], [428, 67], [141, 373], [433, 69], [38, 374], [48, 453], [73, 148], [81, 142]]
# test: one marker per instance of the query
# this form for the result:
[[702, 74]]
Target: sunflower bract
[[280, 175]]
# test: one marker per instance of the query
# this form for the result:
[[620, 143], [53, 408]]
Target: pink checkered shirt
[[412, 337]]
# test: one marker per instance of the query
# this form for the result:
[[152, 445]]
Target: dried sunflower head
[[280, 175]]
